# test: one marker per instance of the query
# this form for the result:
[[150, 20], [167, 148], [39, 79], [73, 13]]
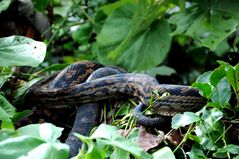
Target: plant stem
[[191, 127]]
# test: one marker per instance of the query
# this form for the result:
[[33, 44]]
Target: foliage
[[201, 20], [106, 135], [210, 131], [30, 140], [140, 27]]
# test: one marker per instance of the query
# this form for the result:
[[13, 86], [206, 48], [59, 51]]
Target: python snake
[[65, 89], [87, 82]]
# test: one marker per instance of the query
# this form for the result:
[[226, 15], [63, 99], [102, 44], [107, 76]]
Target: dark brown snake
[[70, 87]]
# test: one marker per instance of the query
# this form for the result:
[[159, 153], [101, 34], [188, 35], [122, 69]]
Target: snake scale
[[75, 85]]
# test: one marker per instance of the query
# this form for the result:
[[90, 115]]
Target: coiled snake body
[[66, 89]]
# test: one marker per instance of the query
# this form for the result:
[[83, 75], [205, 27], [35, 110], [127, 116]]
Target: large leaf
[[209, 22], [15, 147], [131, 40], [37, 141], [46, 131], [21, 51]]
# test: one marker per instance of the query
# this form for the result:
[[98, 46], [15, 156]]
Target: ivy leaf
[[21, 51], [181, 120], [201, 20]]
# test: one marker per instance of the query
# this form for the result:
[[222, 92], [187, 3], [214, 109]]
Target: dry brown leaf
[[147, 141], [175, 137]]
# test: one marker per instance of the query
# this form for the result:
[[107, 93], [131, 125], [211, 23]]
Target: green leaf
[[212, 117], [94, 150], [4, 4], [210, 129], [200, 21], [5, 73], [161, 70], [45, 131], [181, 120], [203, 84], [82, 34], [7, 111], [222, 93], [133, 135], [109, 135], [231, 148], [140, 37], [63, 8], [204, 78], [38, 138], [197, 152], [19, 115], [23, 89], [108, 8], [29, 147], [47, 150], [16, 147], [217, 75], [7, 133], [119, 154], [222, 48], [232, 75], [21, 51], [205, 89], [165, 153], [41, 4]]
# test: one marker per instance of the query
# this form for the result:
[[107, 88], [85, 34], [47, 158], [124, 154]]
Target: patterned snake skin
[[65, 89], [77, 84]]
